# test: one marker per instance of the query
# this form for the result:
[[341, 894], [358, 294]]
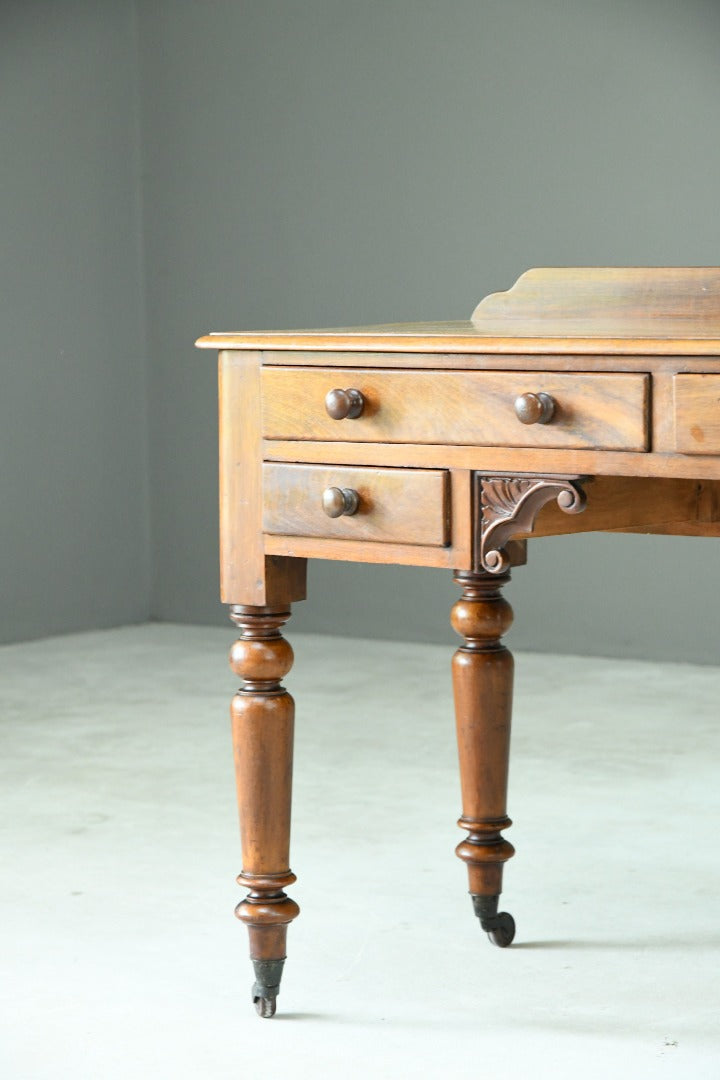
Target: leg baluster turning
[[482, 683], [262, 720]]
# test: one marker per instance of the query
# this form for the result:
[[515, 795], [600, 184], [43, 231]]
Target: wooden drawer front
[[697, 414], [404, 506], [601, 411]]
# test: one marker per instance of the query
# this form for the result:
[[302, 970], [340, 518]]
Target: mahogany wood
[[675, 528], [500, 459], [448, 473], [455, 338], [628, 502], [507, 507], [667, 311], [246, 575], [482, 671], [563, 358], [262, 726], [409, 506], [604, 411], [697, 414], [457, 553], [607, 302]]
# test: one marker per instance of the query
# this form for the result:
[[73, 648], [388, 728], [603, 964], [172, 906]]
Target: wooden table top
[[653, 311]]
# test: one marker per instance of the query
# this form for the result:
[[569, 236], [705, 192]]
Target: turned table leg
[[262, 724], [482, 684]]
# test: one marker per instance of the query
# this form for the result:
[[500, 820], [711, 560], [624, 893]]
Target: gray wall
[[74, 540], [311, 164], [332, 163]]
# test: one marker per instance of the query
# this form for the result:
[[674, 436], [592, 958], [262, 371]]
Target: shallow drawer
[[599, 411], [697, 414], [405, 506]]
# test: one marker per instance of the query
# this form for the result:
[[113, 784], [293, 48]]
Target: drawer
[[404, 506], [591, 410], [697, 414]]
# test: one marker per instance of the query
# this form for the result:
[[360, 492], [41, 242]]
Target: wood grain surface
[[631, 360], [247, 575], [697, 414], [402, 506], [607, 302], [603, 411], [501, 458], [612, 310]]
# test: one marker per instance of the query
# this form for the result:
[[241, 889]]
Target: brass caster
[[267, 986], [265, 1006], [503, 934], [499, 926]]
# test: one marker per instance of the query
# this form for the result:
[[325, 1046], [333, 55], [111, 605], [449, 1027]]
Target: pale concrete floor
[[120, 955]]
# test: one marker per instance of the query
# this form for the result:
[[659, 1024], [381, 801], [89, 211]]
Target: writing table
[[579, 400]]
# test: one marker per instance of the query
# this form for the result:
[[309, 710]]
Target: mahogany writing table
[[579, 400]]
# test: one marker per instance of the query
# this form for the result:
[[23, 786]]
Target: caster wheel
[[265, 1006], [503, 934], [266, 986]]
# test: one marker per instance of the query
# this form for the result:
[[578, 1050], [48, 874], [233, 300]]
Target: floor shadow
[[675, 941], [325, 1017]]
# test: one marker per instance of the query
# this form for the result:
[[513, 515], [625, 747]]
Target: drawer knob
[[338, 501], [534, 408], [344, 404]]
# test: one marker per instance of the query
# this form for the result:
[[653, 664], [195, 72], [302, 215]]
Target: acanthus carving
[[509, 506]]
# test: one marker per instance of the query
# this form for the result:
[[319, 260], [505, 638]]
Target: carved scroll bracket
[[508, 506]]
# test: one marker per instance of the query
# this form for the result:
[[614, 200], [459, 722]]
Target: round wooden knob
[[534, 408], [344, 404], [338, 501]]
